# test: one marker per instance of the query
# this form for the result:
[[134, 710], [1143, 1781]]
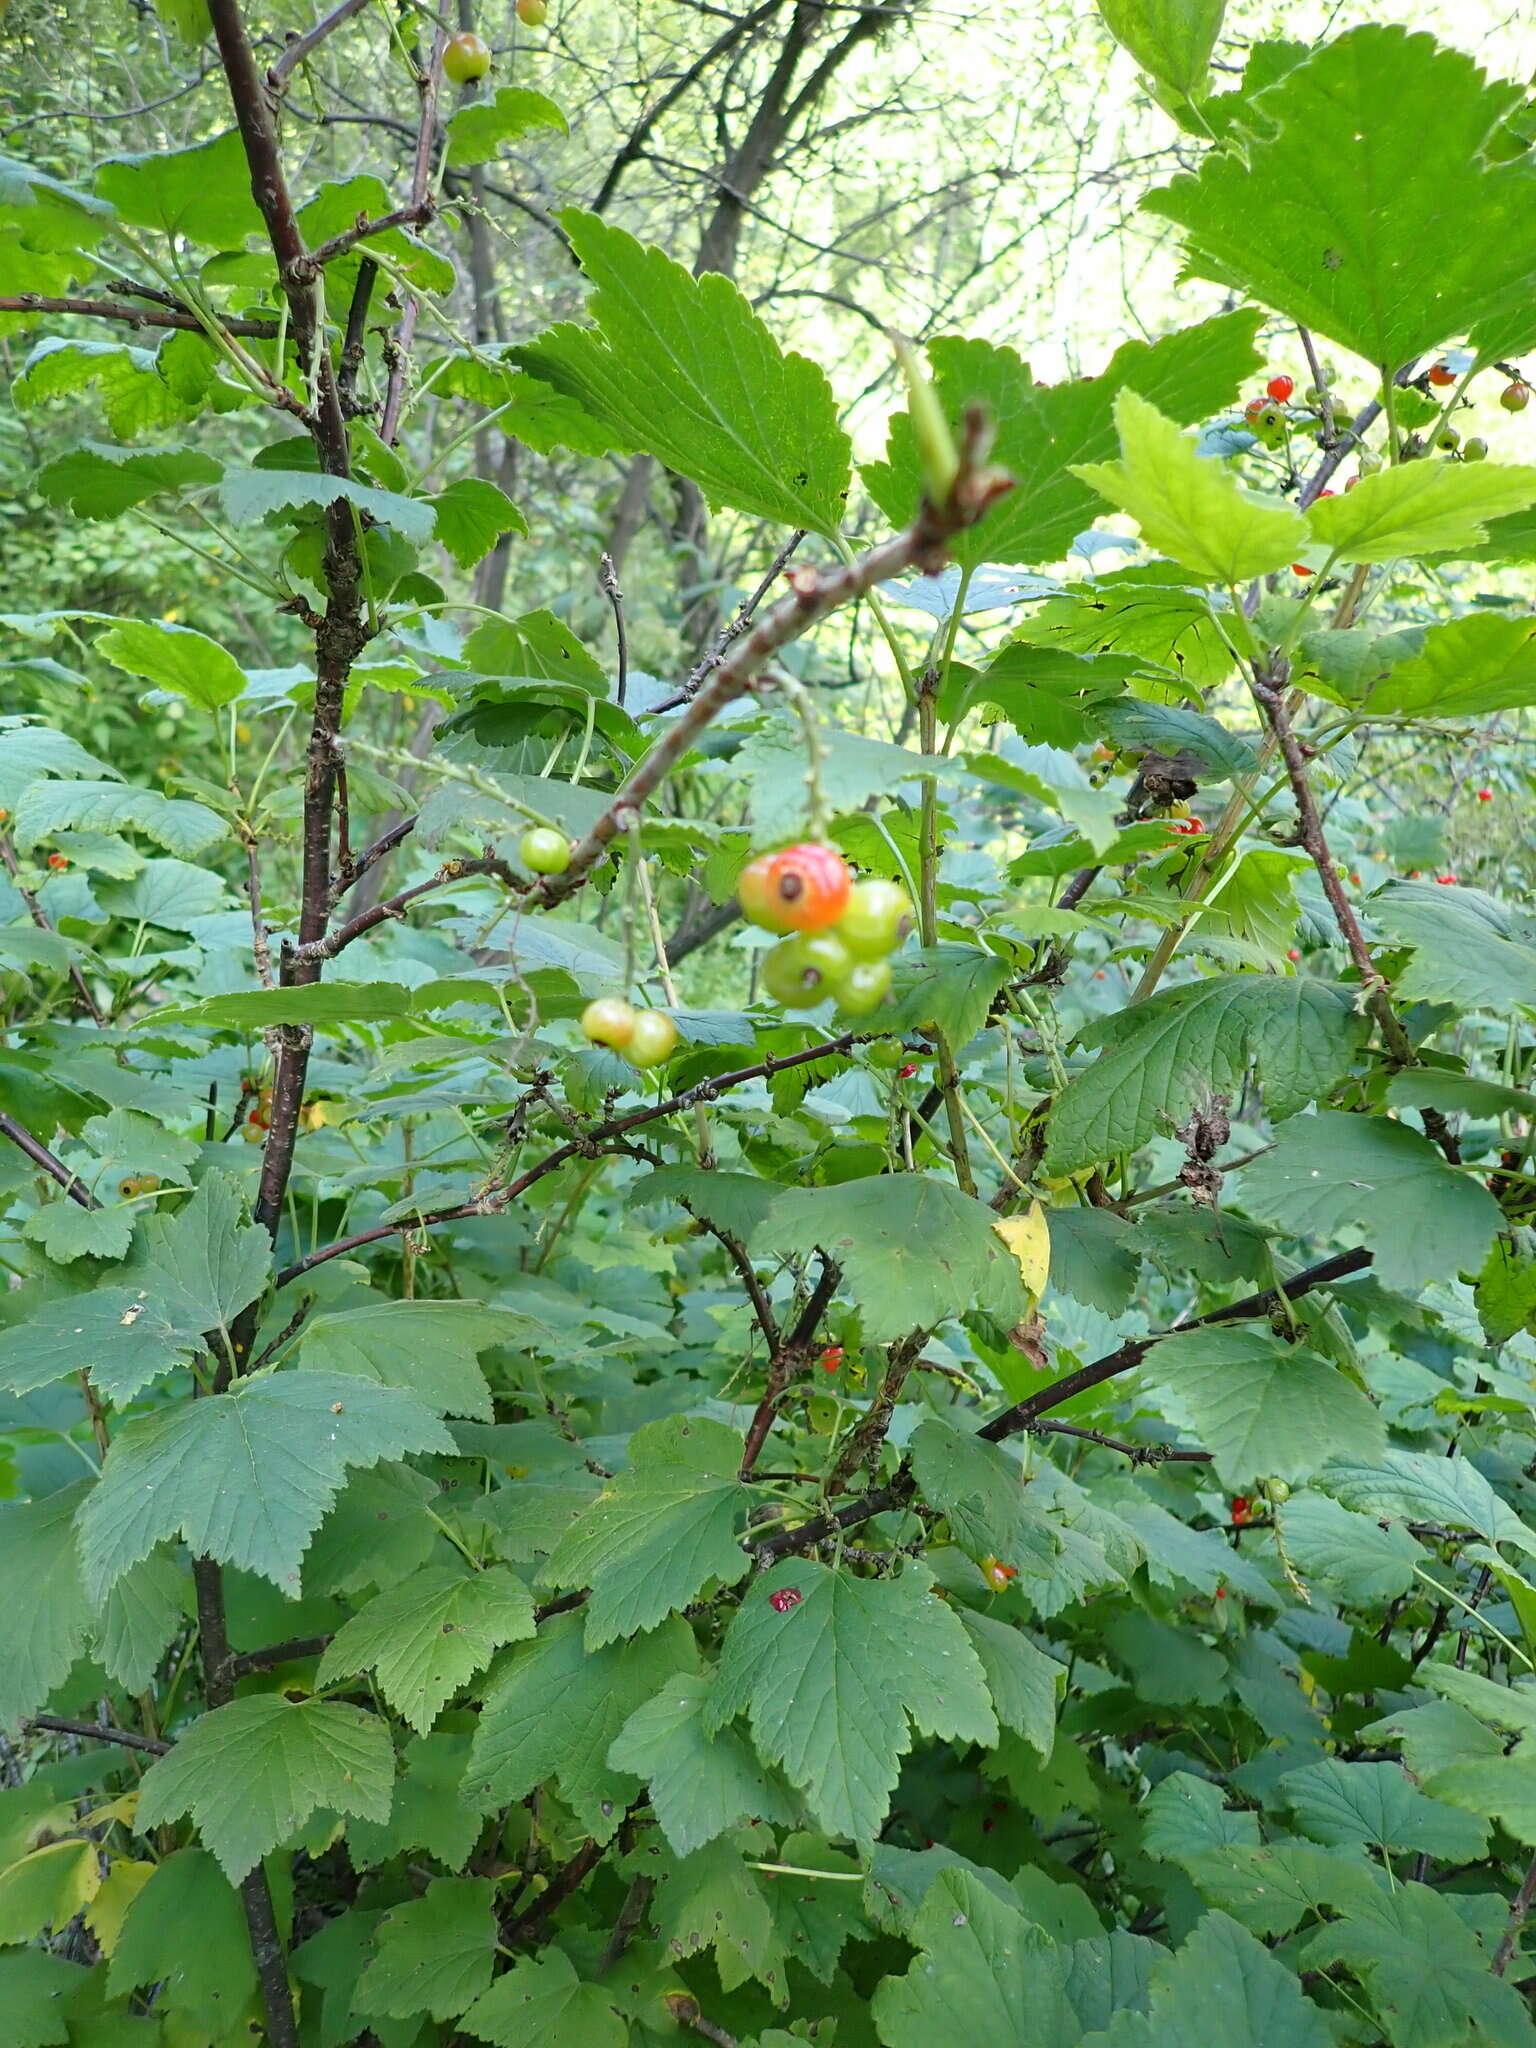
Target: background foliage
[[1006, 1516]]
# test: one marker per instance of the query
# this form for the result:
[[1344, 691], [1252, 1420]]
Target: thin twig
[[135, 316], [1020, 1419], [631, 1913], [788, 1360], [294, 1651], [608, 584], [1517, 1913], [370, 858], [39, 1154], [586, 1146], [1269, 686], [354, 342], [261, 949], [416, 215], [300, 47], [455, 870], [735, 627], [1139, 1454], [399, 352], [97, 1731]]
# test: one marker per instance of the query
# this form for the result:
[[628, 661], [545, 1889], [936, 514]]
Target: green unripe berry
[[1474, 449], [610, 1021], [865, 987], [805, 970], [878, 918], [544, 851], [466, 57], [652, 1040]]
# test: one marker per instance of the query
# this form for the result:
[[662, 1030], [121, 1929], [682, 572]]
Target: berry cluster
[[842, 932], [646, 1038], [1267, 417]]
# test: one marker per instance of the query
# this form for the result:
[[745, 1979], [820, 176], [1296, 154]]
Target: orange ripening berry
[[803, 889], [997, 1574], [57, 862], [1441, 374]]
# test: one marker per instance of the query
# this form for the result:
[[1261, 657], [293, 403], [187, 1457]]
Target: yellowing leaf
[[47, 1889], [1187, 505], [1028, 1237], [108, 1910]]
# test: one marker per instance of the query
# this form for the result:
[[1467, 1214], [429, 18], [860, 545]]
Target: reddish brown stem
[[135, 316], [787, 1362]]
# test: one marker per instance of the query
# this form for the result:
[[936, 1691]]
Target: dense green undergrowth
[[1008, 1517]]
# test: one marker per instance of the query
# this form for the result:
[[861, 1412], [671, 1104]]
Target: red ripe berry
[[781, 1602], [1441, 374], [1300, 569], [1327, 494], [905, 1073], [1280, 388], [1446, 881], [1242, 1509], [57, 861], [1187, 828], [1293, 954], [1221, 1592], [832, 1358], [1485, 796]]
